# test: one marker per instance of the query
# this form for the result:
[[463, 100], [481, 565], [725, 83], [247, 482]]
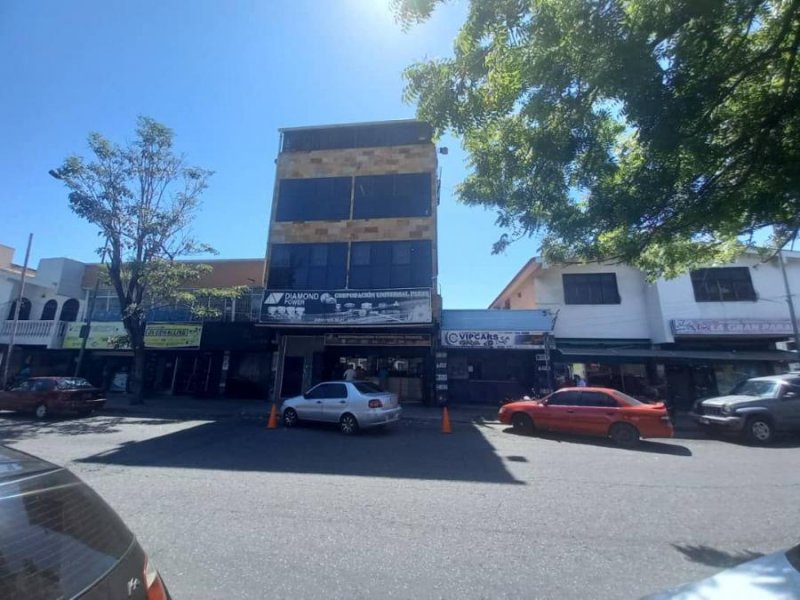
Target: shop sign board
[[347, 307], [497, 340], [112, 336], [172, 335], [731, 327], [377, 339]]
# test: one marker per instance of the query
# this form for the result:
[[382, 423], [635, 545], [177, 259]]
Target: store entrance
[[403, 371]]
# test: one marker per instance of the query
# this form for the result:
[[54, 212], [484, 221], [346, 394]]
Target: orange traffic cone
[[446, 421], [273, 417]]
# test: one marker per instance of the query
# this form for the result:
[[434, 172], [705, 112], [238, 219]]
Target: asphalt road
[[228, 509]]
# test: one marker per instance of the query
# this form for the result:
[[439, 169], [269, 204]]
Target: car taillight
[[375, 403], [152, 582]]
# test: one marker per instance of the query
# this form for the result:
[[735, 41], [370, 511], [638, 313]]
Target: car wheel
[[522, 423], [41, 411], [760, 430], [348, 424], [624, 434], [290, 418]]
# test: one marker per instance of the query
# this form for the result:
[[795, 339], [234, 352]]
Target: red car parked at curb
[[601, 412], [44, 396]]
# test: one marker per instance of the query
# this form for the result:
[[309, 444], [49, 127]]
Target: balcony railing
[[34, 333]]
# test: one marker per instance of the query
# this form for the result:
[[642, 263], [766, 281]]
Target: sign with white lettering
[[496, 340], [731, 327], [347, 307]]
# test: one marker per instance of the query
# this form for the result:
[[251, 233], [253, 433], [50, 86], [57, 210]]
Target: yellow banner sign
[[102, 336], [170, 335], [112, 336]]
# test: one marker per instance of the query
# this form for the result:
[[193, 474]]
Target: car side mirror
[[305, 395]]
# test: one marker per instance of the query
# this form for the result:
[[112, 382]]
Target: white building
[[51, 298], [674, 339]]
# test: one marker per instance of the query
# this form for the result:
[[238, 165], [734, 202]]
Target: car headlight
[[727, 409]]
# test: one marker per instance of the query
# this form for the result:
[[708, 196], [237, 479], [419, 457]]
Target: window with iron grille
[[723, 284], [591, 288]]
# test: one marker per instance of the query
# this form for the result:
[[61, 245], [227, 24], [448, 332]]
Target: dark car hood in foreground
[[59, 539]]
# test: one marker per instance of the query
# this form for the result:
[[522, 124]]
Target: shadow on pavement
[[643, 446], [19, 426], [712, 557], [399, 452]]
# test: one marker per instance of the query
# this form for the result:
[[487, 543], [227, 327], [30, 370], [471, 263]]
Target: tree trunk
[[137, 381]]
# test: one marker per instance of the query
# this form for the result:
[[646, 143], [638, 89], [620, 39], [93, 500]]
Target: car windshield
[[365, 387], [630, 400], [755, 387], [73, 383]]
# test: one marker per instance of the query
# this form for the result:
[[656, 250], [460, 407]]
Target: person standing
[[580, 381], [350, 373]]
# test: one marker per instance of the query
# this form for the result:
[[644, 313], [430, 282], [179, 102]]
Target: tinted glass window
[[308, 267], [25, 386], [565, 399], [597, 399], [42, 385], [365, 387], [591, 288], [317, 392], [336, 390], [723, 284], [397, 195], [359, 136], [57, 536], [326, 198], [387, 265]]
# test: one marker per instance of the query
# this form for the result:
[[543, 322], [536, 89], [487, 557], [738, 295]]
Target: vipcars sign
[[501, 340]]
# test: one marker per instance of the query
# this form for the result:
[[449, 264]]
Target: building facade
[[675, 340], [227, 354], [352, 256]]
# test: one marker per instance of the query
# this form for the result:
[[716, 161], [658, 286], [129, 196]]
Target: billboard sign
[[731, 327], [496, 340], [347, 307]]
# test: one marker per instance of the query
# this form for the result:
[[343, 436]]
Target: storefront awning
[[710, 355]]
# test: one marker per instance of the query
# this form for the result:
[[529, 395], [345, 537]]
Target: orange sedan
[[590, 411]]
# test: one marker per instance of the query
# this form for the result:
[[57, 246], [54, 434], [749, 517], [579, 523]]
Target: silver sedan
[[353, 404]]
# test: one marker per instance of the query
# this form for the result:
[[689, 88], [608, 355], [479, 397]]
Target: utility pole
[[17, 308], [86, 329], [790, 302]]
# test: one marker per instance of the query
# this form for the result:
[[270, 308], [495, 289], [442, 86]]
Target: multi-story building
[[679, 339], [352, 258]]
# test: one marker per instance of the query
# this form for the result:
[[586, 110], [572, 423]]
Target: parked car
[[353, 404], [601, 412], [44, 396], [772, 577], [757, 408], [59, 539]]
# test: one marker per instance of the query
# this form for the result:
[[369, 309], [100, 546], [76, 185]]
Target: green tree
[[143, 198], [663, 133]]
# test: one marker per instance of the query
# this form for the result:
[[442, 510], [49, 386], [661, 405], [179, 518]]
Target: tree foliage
[[142, 197], [663, 133]]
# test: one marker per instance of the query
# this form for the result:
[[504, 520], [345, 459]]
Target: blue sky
[[225, 76]]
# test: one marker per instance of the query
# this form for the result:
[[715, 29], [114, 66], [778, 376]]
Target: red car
[[601, 412], [48, 395]]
